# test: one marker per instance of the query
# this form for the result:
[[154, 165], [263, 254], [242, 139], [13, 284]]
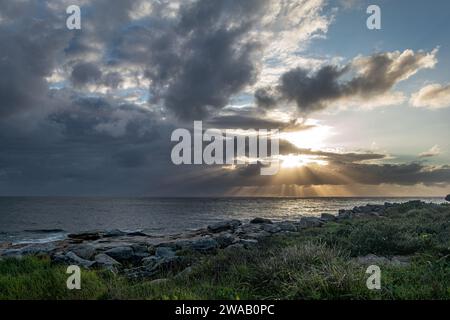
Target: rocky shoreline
[[141, 255]]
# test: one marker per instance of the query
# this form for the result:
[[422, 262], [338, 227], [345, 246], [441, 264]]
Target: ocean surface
[[42, 219]]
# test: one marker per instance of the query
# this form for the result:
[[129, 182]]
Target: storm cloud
[[364, 78]]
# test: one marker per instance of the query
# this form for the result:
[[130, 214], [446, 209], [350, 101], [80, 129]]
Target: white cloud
[[433, 96], [434, 151]]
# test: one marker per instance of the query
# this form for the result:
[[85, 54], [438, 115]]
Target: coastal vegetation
[[410, 242]]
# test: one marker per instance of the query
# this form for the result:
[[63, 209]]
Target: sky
[[90, 112]]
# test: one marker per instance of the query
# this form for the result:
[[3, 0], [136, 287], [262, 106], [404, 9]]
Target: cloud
[[84, 73], [29, 53], [432, 96], [434, 151], [365, 78]]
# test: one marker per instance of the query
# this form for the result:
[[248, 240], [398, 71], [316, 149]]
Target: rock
[[140, 251], [12, 253], [151, 269], [72, 258], [150, 261], [38, 248], [261, 220], [248, 242], [287, 226], [164, 252], [159, 281], [372, 259], [120, 254], [204, 245], [140, 272], [224, 240], [447, 198], [223, 226], [92, 235], [137, 234], [5, 245], [114, 233], [104, 261], [271, 228], [258, 235], [85, 251], [310, 222], [399, 261], [402, 261], [235, 246], [327, 217]]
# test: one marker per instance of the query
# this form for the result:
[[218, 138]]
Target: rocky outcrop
[[140, 255]]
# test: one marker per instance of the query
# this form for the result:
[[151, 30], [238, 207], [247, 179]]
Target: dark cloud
[[30, 41], [74, 140], [364, 78], [84, 73], [201, 59]]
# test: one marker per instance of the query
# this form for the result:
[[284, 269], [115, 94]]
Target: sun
[[300, 160], [311, 138]]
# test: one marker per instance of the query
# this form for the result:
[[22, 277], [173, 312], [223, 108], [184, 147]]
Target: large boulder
[[447, 198], [310, 222], [224, 240], [223, 226], [287, 226], [85, 251], [104, 261], [328, 217], [120, 254]]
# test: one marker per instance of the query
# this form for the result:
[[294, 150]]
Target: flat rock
[[328, 217], [223, 226], [260, 220], [104, 261], [91, 235], [120, 253], [164, 252], [72, 258], [114, 233], [85, 251]]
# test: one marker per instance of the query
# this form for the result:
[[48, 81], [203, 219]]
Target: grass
[[313, 264]]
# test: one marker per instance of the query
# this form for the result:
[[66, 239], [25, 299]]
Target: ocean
[[43, 219]]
